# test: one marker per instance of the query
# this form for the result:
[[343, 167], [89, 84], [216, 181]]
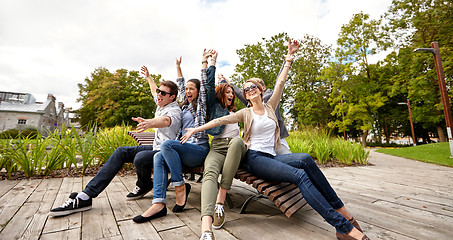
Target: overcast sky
[[50, 46]]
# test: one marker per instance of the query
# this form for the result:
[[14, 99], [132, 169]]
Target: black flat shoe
[[141, 219], [178, 208]]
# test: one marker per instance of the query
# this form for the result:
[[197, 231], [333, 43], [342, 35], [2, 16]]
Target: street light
[[414, 141], [443, 89]]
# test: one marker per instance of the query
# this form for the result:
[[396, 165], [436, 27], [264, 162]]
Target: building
[[21, 111]]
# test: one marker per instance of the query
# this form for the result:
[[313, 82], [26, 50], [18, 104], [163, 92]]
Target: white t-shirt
[[262, 137], [230, 131]]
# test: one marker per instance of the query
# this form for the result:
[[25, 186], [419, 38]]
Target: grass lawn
[[438, 153]]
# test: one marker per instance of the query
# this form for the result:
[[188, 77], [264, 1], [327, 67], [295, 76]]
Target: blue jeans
[[300, 169], [173, 155], [141, 156]]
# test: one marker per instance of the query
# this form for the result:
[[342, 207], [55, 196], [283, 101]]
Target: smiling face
[[191, 91], [252, 91], [162, 100]]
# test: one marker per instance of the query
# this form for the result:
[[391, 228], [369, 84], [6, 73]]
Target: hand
[[293, 46], [178, 61], [144, 124], [138, 119], [221, 77], [189, 133], [206, 54], [213, 54], [145, 72]]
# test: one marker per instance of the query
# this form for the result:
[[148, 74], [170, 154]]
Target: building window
[[22, 121]]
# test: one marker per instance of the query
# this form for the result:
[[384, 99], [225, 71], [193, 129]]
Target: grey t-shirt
[[173, 111]]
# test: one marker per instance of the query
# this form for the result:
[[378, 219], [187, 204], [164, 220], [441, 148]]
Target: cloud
[[51, 46]]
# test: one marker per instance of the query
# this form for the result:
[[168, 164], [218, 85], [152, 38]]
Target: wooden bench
[[285, 196]]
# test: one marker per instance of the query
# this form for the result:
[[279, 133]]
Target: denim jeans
[[173, 155], [300, 169], [141, 156]]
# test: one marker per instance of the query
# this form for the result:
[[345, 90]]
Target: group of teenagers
[[181, 139]]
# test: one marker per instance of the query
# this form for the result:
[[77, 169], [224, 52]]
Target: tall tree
[[415, 24], [109, 99], [356, 93]]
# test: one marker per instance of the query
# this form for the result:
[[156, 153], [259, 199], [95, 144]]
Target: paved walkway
[[394, 199]]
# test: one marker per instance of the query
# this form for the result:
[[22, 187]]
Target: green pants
[[225, 155]]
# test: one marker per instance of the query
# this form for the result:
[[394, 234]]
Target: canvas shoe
[[137, 193], [207, 235], [219, 216], [72, 205]]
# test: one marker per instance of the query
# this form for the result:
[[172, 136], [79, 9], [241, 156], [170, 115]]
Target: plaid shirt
[[200, 113]]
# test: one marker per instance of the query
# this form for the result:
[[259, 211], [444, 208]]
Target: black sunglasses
[[249, 88], [162, 92]]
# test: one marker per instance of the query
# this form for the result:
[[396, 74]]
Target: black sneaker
[[72, 205], [137, 193]]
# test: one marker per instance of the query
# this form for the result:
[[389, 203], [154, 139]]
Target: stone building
[[21, 111]]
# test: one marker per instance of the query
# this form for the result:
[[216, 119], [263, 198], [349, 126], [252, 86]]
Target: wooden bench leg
[[244, 206]]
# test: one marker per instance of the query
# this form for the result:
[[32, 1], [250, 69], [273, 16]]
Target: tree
[[305, 96], [109, 99], [356, 92], [414, 24]]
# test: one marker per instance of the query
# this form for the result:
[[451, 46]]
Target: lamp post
[[443, 89], [414, 141]]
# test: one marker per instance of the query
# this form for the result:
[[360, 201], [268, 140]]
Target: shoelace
[[219, 210], [136, 189], [206, 236], [70, 201]]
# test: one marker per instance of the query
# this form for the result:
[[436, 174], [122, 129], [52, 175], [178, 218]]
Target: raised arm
[[293, 46], [210, 86], [178, 67], [180, 80], [152, 84]]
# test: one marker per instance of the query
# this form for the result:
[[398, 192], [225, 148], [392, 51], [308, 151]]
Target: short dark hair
[[173, 88]]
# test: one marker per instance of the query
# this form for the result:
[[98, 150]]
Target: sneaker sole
[[134, 198], [68, 212]]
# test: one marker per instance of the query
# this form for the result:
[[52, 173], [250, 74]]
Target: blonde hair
[[255, 81]]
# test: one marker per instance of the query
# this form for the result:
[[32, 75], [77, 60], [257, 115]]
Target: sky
[[50, 46]]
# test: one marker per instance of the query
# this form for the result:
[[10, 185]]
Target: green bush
[[15, 133], [109, 139], [320, 145]]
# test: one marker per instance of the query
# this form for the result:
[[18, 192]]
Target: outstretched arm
[[159, 122], [152, 84]]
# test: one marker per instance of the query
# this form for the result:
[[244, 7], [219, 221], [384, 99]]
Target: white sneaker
[[207, 235]]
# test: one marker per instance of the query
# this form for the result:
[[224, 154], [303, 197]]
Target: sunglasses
[[162, 92], [250, 88]]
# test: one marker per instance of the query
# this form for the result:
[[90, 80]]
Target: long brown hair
[[220, 91]]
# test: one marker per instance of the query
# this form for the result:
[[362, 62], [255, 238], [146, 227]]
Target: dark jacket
[[215, 109]]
